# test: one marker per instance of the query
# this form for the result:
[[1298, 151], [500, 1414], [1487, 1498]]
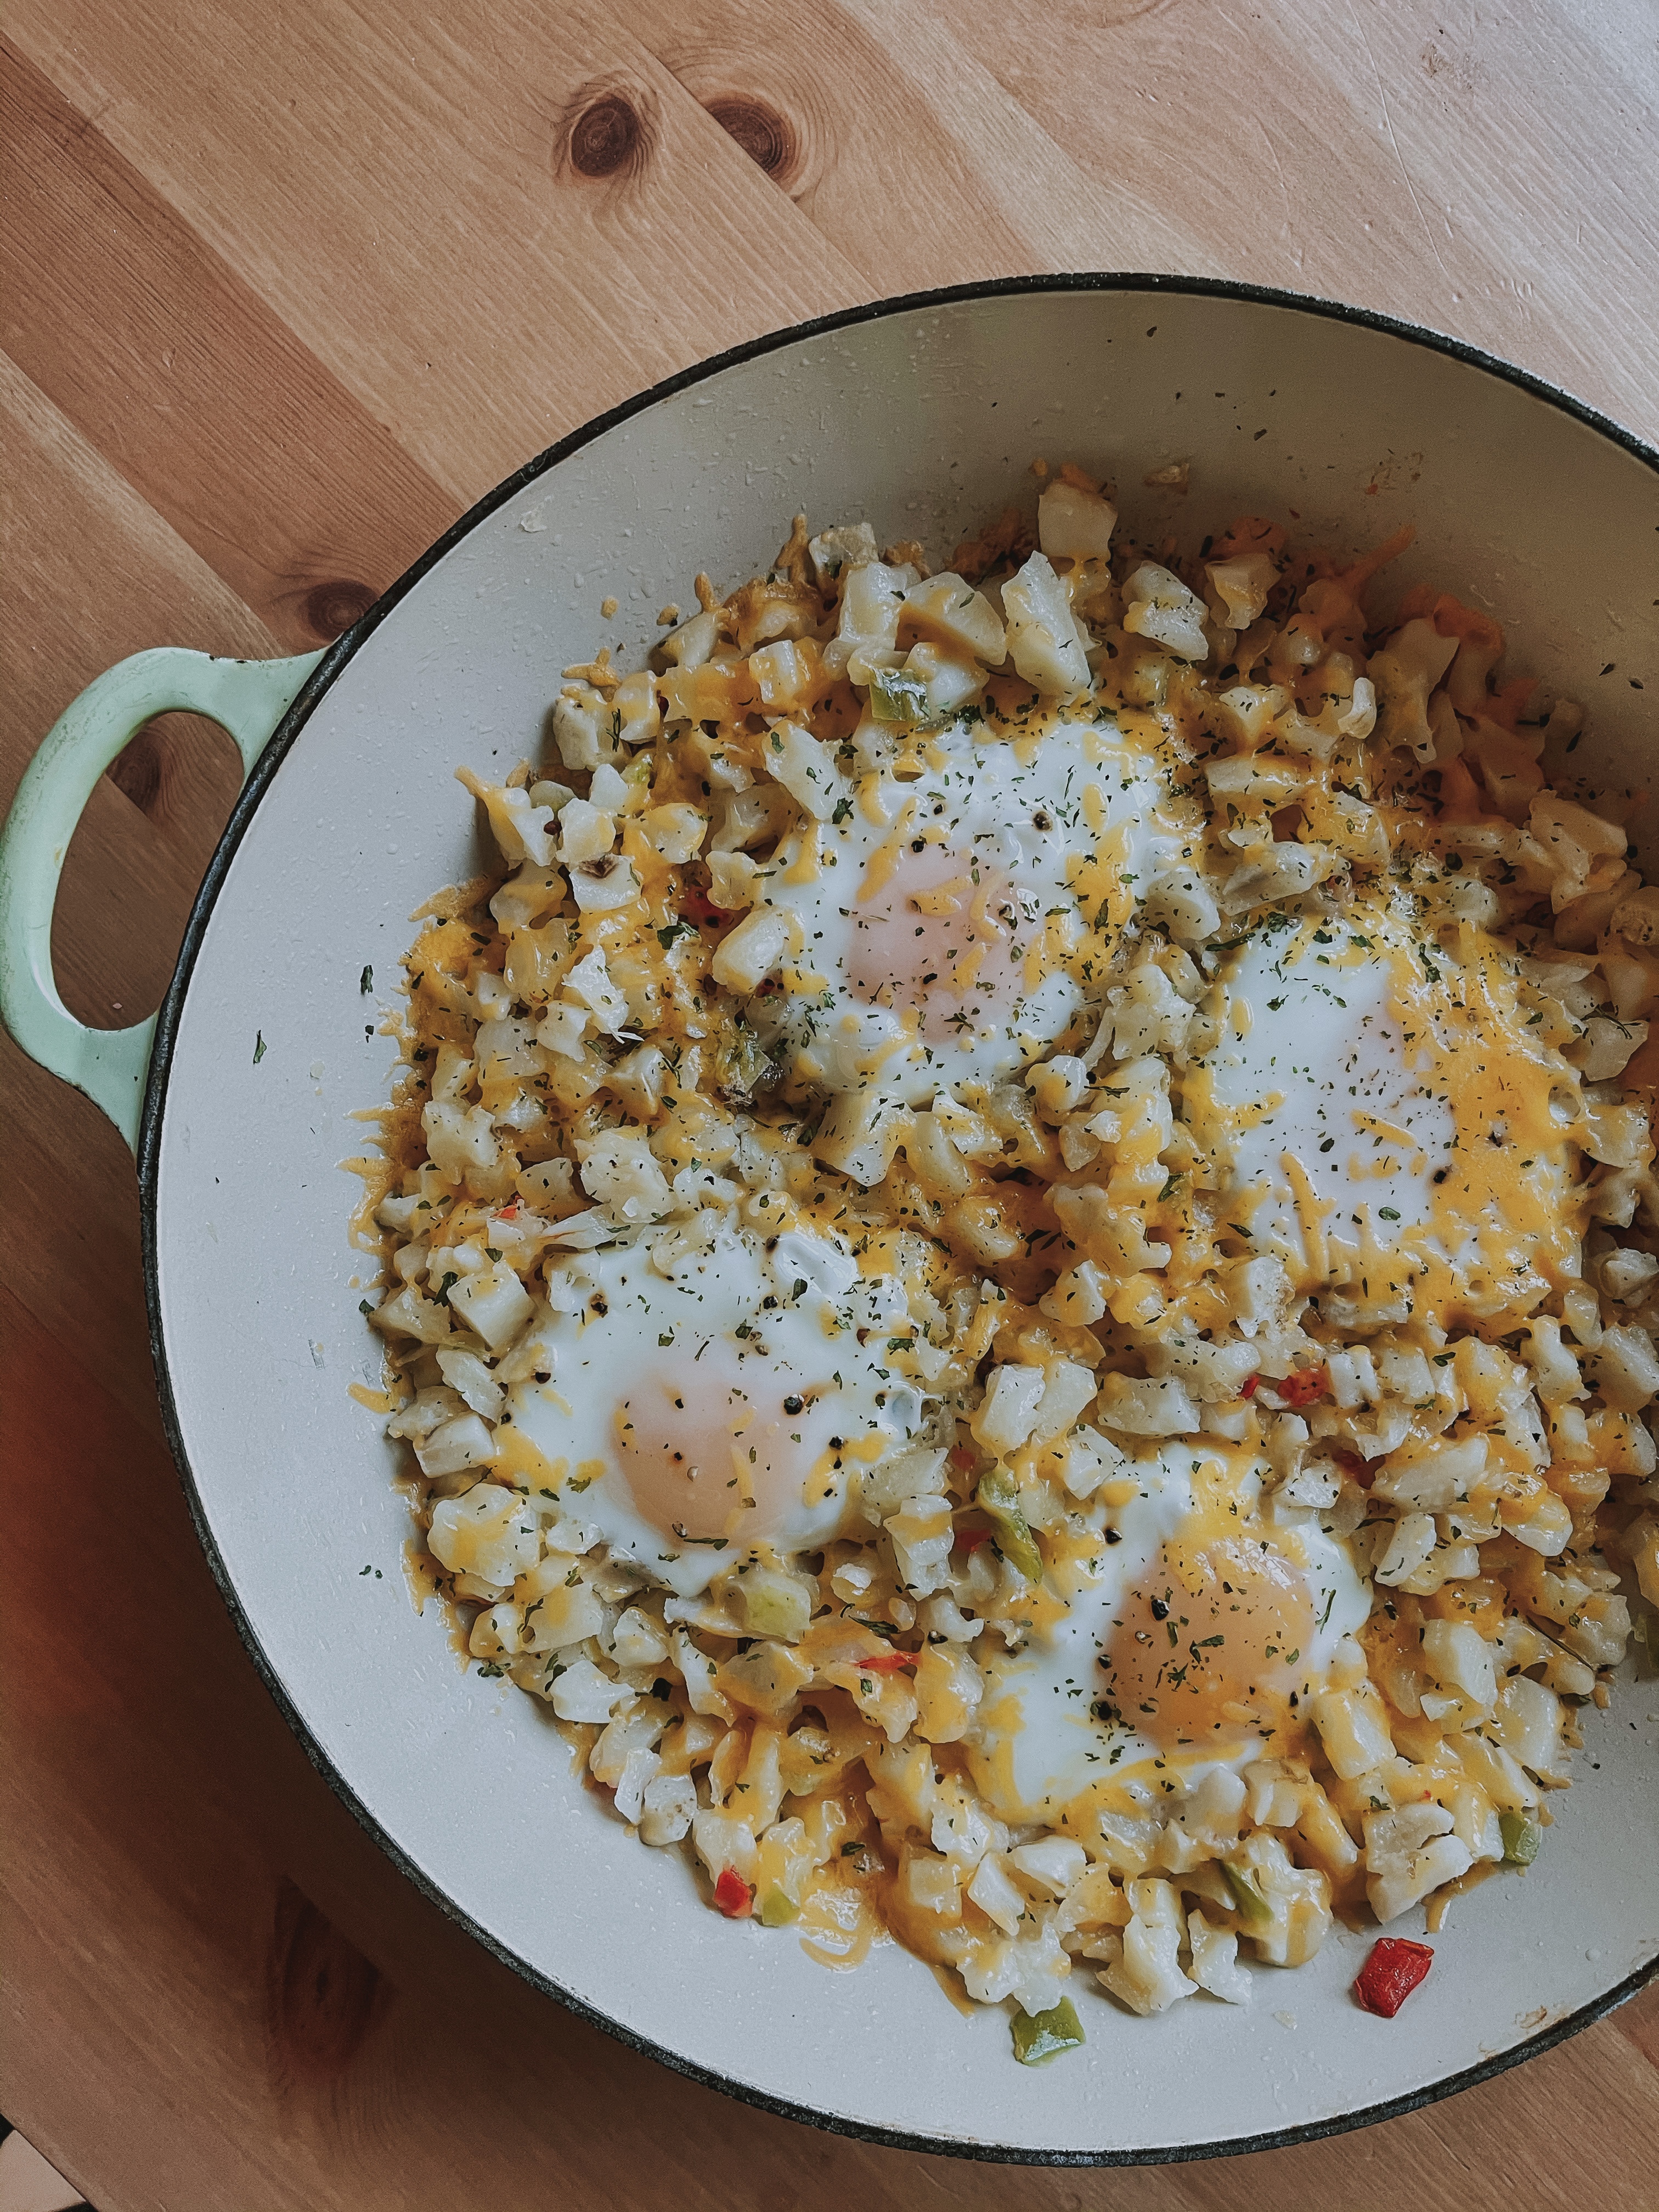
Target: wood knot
[[608, 136], [332, 607], [324, 1996], [766, 137]]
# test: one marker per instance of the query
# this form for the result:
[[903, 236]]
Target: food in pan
[[1021, 1249]]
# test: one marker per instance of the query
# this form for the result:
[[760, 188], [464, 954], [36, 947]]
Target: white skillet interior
[[926, 421]]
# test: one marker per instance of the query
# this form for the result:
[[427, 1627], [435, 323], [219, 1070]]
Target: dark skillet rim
[[321, 677]]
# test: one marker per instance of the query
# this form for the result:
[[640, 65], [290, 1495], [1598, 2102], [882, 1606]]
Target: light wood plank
[[906, 153], [409, 206], [167, 363]]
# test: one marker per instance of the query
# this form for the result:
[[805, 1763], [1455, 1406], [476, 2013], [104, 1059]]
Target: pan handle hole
[[135, 864]]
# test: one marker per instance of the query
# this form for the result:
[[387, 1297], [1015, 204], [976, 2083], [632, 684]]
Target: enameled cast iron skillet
[[924, 416]]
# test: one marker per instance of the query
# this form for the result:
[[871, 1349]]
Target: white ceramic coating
[[925, 421]]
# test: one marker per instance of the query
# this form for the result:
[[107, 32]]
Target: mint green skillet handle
[[248, 698]]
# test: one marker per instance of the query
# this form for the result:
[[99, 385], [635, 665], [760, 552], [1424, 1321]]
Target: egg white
[[1340, 1113]]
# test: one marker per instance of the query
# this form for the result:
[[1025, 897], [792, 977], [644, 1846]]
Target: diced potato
[[1079, 1296], [1147, 1407], [409, 1314], [636, 1726], [1528, 1726], [583, 1692], [559, 1602], [1243, 584], [584, 728], [586, 832], [1009, 1412], [1214, 1963], [1405, 672], [638, 1640], [995, 1895], [871, 597], [1626, 1368], [1409, 1853], [668, 1803], [805, 766], [949, 1687], [752, 952], [458, 1138], [1074, 523], [1053, 1863], [1459, 1658], [930, 1884], [457, 1445], [1354, 1727], [1159, 605], [489, 1532], [946, 608], [938, 1166], [1148, 1976], [1408, 1548], [768, 1678], [1044, 641], [1179, 898], [921, 1534], [602, 885], [494, 1303], [776, 1602], [676, 832]]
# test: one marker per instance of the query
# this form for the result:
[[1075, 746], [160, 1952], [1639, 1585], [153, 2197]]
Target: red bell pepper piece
[[1363, 1471], [1247, 1388], [886, 1662], [1304, 1387], [971, 1539], [1391, 1973], [695, 905], [733, 1895]]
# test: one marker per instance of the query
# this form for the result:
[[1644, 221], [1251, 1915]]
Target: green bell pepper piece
[[1040, 2036], [1521, 1837], [895, 696], [999, 1500], [1253, 1907]]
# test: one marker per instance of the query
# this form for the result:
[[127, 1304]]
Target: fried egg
[[938, 922], [733, 1402], [1191, 1640], [1386, 1119]]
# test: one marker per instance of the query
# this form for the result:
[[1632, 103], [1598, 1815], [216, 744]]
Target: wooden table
[[284, 289]]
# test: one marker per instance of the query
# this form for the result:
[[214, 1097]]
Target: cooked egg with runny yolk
[[688, 1417], [937, 932], [937, 936], [1197, 1637], [1215, 1632], [717, 1435], [1385, 1116]]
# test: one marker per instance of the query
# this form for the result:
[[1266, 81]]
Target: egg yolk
[[1210, 1642], [729, 1444], [937, 939]]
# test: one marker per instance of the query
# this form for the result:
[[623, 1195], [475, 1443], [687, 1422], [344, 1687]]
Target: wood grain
[[283, 290], [154, 350]]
